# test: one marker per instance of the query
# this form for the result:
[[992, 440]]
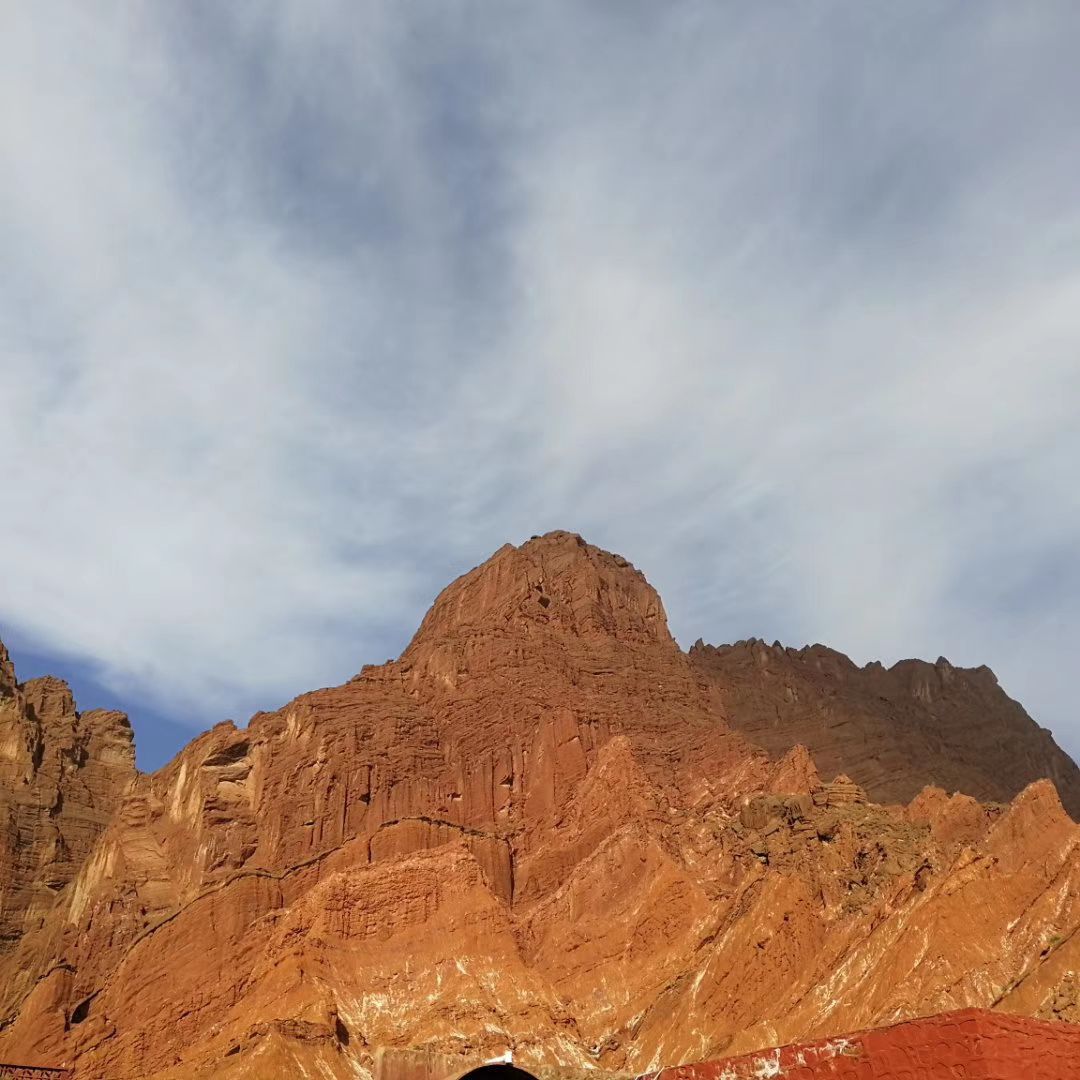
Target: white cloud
[[308, 308]]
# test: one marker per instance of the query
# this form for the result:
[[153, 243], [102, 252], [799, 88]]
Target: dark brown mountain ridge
[[892, 730]]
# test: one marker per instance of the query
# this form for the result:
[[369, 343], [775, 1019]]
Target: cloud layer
[[307, 308]]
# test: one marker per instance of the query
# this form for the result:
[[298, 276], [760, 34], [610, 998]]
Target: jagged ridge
[[894, 730]]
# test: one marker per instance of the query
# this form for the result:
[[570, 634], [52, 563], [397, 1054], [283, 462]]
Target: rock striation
[[543, 828]]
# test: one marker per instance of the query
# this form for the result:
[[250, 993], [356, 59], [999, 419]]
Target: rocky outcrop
[[893, 730], [535, 830], [62, 776], [8, 683]]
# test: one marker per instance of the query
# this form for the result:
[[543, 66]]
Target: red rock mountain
[[62, 776], [544, 828]]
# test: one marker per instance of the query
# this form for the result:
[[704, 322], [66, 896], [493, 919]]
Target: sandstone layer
[[544, 828]]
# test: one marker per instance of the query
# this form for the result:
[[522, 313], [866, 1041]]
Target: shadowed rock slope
[[894, 730], [539, 828]]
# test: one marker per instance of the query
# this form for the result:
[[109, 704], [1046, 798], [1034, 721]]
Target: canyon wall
[[63, 775]]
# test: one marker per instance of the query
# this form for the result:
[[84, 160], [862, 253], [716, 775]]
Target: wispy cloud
[[307, 308]]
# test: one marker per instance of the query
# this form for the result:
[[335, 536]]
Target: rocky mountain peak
[[552, 584], [49, 699], [7, 673], [62, 776]]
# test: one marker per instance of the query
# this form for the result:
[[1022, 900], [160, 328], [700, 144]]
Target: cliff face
[[62, 777], [893, 730], [536, 829]]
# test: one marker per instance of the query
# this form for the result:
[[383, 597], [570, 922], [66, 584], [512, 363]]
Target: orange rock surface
[[544, 828], [62, 777]]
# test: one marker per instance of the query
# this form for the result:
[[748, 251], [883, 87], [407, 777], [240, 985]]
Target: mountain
[[62, 777], [894, 730], [546, 828]]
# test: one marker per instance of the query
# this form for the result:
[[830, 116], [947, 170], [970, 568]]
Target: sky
[[307, 308]]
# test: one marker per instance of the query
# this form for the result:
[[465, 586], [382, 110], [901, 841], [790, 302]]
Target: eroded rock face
[[536, 829], [62, 777], [893, 730]]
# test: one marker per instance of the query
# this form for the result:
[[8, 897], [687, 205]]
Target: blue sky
[[307, 308]]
